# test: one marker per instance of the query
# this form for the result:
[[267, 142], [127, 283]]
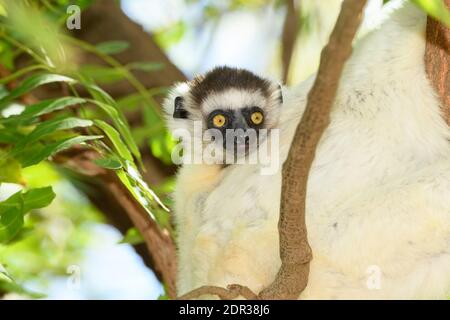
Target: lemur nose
[[240, 136]]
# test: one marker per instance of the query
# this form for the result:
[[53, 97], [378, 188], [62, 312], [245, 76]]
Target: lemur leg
[[193, 185]]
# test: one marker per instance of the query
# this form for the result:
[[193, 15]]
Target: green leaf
[[37, 198], [134, 189], [135, 100], [43, 152], [31, 199], [23, 233], [115, 138], [11, 170], [133, 181], [32, 83], [100, 74], [120, 122], [157, 138], [3, 90], [435, 8], [13, 209], [6, 55], [48, 127], [110, 162], [112, 47], [13, 202], [146, 66], [43, 107], [7, 284], [11, 286], [8, 136], [132, 236], [98, 93], [11, 221]]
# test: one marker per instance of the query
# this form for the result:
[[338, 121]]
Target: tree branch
[[295, 252], [231, 292], [289, 37], [105, 21], [437, 61], [159, 243]]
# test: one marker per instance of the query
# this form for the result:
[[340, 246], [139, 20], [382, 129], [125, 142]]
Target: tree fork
[[295, 252]]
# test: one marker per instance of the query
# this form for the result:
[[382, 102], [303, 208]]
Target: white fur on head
[[178, 90], [231, 98], [236, 99]]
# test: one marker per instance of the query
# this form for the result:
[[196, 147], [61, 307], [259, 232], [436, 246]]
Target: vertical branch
[[289, 37], [437, 61], [295, 252]]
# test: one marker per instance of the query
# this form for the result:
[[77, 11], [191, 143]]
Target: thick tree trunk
[[437, 61]]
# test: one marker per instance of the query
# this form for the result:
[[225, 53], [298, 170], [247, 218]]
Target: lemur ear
[[179, 111], [280, 94]]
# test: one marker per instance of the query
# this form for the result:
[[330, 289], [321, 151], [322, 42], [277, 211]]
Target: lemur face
[[233, 105], [237, 117]]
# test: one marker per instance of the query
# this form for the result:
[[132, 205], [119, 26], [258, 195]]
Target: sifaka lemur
[[378, 199]]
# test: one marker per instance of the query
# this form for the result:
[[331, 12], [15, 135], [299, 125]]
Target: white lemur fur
[[378, 201]]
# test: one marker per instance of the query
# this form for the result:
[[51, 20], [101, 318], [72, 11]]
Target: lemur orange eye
[[257, 117], [219, 120]]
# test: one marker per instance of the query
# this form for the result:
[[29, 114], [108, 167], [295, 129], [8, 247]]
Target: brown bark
[[159, 243], [231, 292], [117, 198], [105, 21], [295, 252], [437, 61], [115, 212], [289, 37]]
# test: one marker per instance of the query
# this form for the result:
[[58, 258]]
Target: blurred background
[[83, 244]]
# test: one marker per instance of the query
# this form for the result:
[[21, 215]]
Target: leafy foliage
[[8, 284], [112, 47], [32, 134], [13, 209]]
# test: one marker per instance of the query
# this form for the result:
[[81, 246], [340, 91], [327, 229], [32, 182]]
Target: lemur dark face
[[236, 124], [233, 103]]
